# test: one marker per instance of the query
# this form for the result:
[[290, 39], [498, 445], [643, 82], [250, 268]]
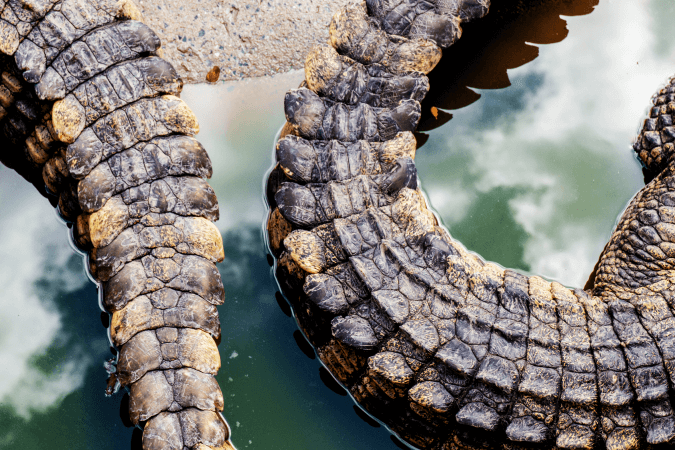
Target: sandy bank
[[245, 38]]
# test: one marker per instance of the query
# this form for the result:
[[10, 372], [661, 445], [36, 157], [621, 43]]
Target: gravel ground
[[245, 38]]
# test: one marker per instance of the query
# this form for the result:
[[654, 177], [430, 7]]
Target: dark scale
[[148, 161], [579, 393], [342, 79]]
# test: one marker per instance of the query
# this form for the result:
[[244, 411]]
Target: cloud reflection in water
[[562, 135], [36, 269], [532, 176]]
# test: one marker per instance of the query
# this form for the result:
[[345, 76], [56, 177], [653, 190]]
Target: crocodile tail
[[435, 342], [92, 118]]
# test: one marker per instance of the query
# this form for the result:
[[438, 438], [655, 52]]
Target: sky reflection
[[35, 265], [561, 135], [532, 176]]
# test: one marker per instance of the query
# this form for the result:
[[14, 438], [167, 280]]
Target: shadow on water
[[488, 48]]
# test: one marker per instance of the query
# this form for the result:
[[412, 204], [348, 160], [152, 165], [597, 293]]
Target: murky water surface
[[532, 176]]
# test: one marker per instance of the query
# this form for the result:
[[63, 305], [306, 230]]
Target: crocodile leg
[[438, 344], [634, 280], [90, 111]]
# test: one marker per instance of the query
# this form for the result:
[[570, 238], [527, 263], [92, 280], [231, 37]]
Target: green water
[[532, 176]]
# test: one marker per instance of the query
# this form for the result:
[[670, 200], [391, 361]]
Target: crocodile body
[[90, 114], [448, 350]]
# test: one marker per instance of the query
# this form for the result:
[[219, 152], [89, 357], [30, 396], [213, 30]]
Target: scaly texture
[[432, 340], [89, 111]]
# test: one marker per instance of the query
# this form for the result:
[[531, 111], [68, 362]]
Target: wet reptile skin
[[90, 115], [448, 350]]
